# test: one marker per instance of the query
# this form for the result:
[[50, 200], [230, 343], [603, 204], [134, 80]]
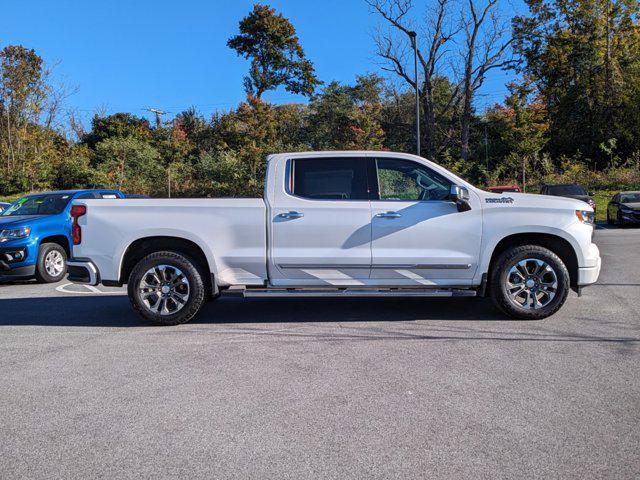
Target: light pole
[[486, 143], [414, 44]]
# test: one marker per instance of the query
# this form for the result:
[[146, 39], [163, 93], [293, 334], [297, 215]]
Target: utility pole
[[158, 113], [414, 44]]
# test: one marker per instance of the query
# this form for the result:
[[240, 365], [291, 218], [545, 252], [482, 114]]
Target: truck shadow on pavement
[[115, 311], [472, 314]]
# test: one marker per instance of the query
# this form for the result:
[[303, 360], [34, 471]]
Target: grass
[[602, 198], [10, 198]]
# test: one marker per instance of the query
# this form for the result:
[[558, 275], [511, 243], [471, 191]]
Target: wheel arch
[[557, 244], [61, 240], [141, 247]]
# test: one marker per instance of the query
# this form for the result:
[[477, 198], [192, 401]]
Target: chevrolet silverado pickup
[[340, 224]]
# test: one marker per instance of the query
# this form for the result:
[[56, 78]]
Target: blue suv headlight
[[14, 234]]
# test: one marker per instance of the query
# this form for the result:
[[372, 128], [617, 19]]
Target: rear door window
[[329, 178]]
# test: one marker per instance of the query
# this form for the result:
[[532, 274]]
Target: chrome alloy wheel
[[531, 284], [164, 289], [54, 263]]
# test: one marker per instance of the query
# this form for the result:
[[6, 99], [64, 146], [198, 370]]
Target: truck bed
[[234, 231]]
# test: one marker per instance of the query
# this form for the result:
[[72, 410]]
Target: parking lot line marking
[[91, 290]]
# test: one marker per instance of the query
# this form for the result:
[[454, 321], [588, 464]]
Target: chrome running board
[[356, 292]]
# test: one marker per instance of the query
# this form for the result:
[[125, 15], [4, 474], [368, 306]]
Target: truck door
[[418, 235], [321, 223]]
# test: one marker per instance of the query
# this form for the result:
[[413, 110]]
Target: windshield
[[561, 190], [48, 204], [630, 197]]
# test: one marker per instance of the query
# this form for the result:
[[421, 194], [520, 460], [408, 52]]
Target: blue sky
[[130, 55]]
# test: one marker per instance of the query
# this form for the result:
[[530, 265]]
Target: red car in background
[[503, 188]]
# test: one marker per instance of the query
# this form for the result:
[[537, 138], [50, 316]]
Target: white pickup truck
[[340, 224]]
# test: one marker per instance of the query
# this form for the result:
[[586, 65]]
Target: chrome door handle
[[291, 215], [388, 215]]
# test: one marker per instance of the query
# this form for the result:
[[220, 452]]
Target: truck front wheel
[[166, 288], [529, 282], [52, 263]]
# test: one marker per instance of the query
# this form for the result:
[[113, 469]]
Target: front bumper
[[630, 217], [589, 275], [18, 273], [15, 263], [83, 271]]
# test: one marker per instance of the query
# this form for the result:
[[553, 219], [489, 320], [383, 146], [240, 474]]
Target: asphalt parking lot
[[324, 389]]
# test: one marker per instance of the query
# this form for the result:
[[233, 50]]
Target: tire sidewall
[[41, 271], [507, 260], [188, 268]]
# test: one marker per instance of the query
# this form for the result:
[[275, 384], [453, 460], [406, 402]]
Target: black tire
[[500, 272], [609, 221], [44, 252], [196, 288], [620, 221]]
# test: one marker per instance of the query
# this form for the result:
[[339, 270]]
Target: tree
[[117, 125], [393, 47], [347, 117], [475, 34], [518, 130], [277, 58], [28, 107], [584, 58], [485, 49], [130, 164], [22, 95]]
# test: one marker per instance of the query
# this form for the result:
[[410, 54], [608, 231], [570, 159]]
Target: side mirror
[[460, 196]]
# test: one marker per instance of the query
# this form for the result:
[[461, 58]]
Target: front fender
[[574, 236]]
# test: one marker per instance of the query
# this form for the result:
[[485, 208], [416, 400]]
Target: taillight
[[76, 232]]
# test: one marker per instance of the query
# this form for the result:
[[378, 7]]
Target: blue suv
[[35, 234]]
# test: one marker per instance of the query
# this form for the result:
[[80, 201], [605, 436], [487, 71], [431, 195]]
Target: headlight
[[586, 217], [6, 235]]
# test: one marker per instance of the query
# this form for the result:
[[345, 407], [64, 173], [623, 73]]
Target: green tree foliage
[[117, 125], [584, 57], [517, 131], [129, 164], [573, 116], [29, 147], [277, 58], [348, 117]]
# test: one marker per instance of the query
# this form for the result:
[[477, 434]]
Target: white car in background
[[340, 224]]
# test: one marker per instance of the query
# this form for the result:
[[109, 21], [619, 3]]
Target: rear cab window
[[328, 178]]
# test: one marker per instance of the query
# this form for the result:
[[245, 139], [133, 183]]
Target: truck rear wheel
[[529, 282], [166, 288]]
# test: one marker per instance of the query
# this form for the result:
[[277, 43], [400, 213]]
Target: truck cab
[[341, 224]]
